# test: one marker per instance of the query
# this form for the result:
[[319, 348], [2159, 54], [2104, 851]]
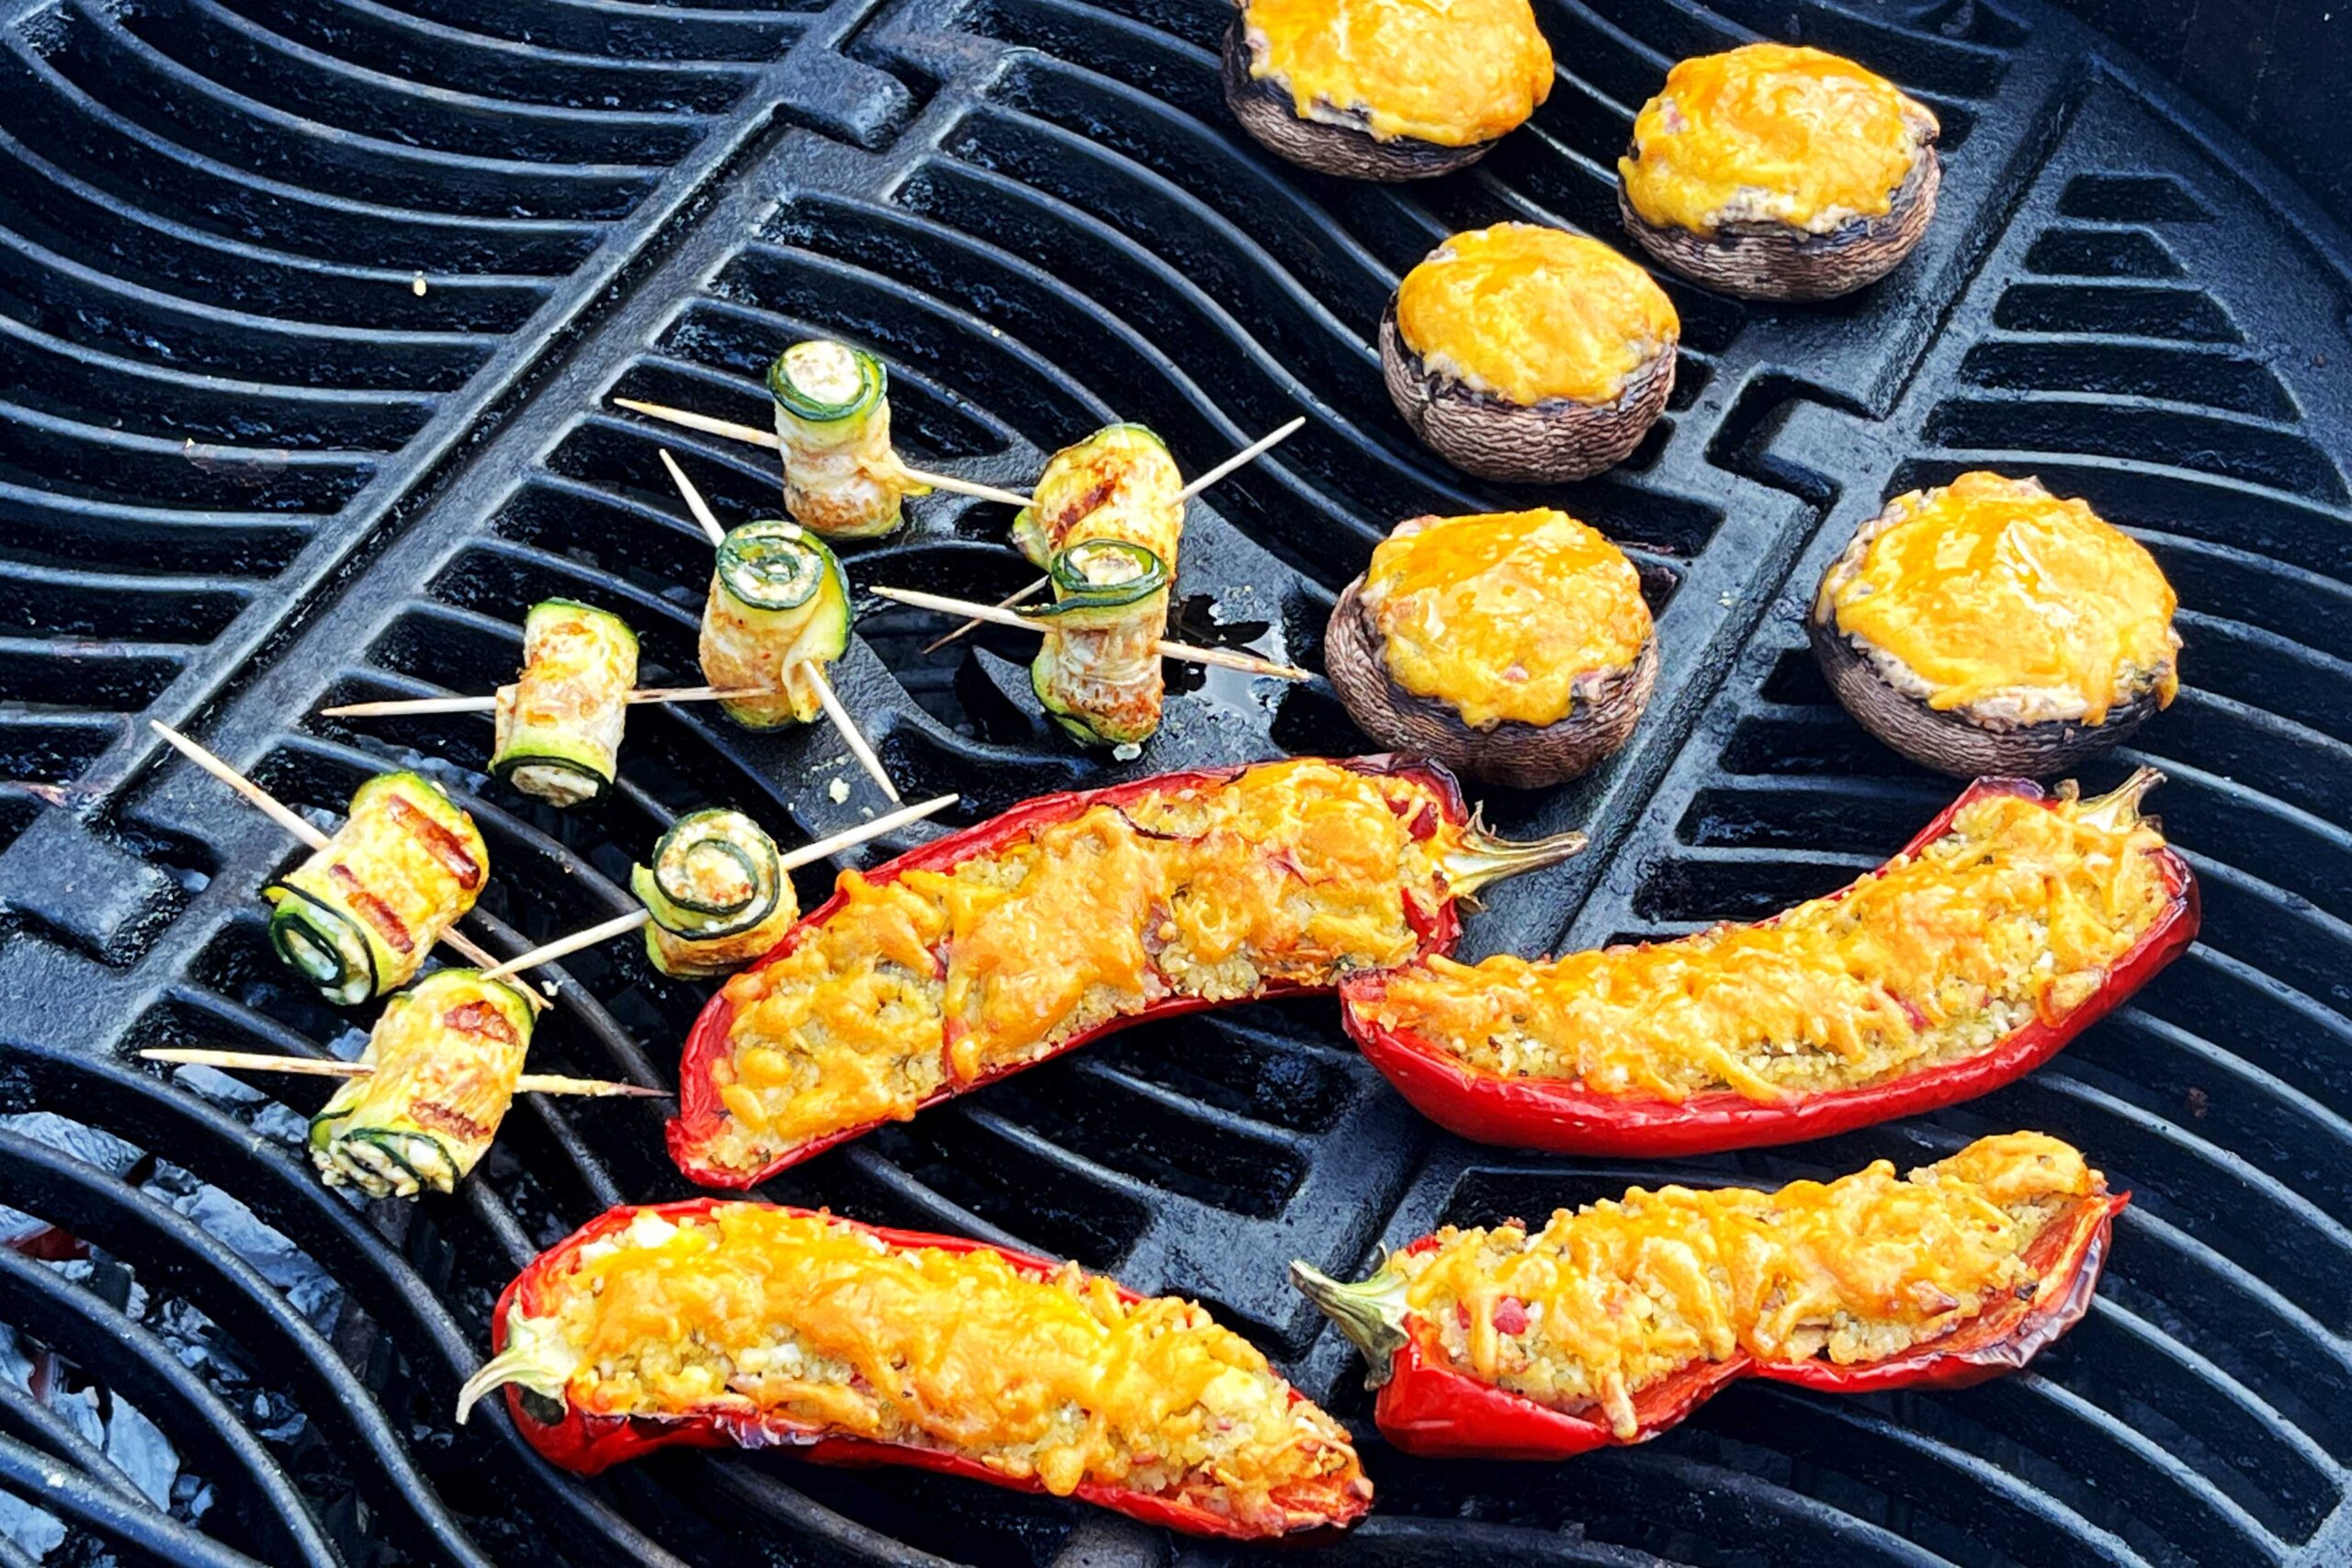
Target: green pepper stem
[[1370, 1313], [520, 1362], [2119, 808], [1483, 858]]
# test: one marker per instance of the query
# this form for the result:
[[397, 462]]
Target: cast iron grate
[[1039, 212]]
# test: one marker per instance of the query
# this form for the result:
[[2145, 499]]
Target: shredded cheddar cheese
[[1526, 312], [1296, 871], [1608, 1299], [1770, 132], [1504, 615], [2015, 913], [1993, 595], [799, 1320], [1448, 72]]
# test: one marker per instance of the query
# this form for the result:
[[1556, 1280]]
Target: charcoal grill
[[311, 312]]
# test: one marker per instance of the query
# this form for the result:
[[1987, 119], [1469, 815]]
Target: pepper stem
[[1371, 1313], [1483, 858], [525, 1361], [2119, 808]]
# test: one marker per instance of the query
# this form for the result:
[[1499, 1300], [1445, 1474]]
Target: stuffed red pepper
[[991, 950], [2014, 922], [714, 1322], [1611, 1324]]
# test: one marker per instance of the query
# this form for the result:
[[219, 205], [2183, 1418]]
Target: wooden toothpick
[[752, 435], [310, 837], [319, 1068], [489, 705], [1249, 454], [621, 925], [1021, 596], [1183, 652]]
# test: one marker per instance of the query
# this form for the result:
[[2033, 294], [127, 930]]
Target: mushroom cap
[[1266, 112], [1962, 743], [1950, 741], [1608, 704], [1555, 439], [1763, 259]]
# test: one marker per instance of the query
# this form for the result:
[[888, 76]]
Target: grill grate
[[213, 216]]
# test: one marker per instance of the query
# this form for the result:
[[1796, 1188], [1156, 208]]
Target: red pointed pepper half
[[1434, 914], [1565, 1117], [1429, 1407], [589, 1443]]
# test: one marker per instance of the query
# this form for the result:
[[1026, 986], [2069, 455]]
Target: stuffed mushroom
[[1385, 89], [1522, 352], [1514, 647], [1780, 173], [1988, 627]]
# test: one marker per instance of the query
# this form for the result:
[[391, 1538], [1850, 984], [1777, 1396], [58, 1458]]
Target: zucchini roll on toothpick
[[1987, 626], [718, 894], [358, 916], [1118, 483], [841, 477], [1521, 352], [1512, 647], [1777, 172], [447, 1055], [559, 733], [1385, 89], [778, 604], [1099, 671]]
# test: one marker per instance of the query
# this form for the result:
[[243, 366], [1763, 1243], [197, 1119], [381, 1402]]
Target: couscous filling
[[1297, 871], [2015, 913], [1608, 1299]]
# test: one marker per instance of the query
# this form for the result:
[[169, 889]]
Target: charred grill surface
[[311, 315]]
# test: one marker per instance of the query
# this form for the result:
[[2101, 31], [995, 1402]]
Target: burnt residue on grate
[[247, 467]]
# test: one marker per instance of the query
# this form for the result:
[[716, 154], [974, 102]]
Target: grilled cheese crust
[[1296, 872], [1606, 1300], [1525, 313], [1768, 132], [800, 1321], [1992, 595], [1448, 72], [2014, 914], [1504, 615]]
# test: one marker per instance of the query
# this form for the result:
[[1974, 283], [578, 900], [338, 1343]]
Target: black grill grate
[[212, 219]]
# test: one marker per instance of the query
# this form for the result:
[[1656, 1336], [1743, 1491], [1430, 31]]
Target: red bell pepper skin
[[589, 1443], [1427, 1407], [1438, 924], [1562, 1117]]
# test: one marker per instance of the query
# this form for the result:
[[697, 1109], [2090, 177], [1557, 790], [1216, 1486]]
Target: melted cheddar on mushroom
[[1454, 73], [1606, 1300], [1527, 312], [1991, 596], [1772, 133], [1500, 615]]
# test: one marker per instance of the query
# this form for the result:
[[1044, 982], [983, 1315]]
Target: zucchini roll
[[717, 895], [358, 916], [1118, 483], [832, 414], [1099, 673], [778, 601], [448, 1055], [560, 724]]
